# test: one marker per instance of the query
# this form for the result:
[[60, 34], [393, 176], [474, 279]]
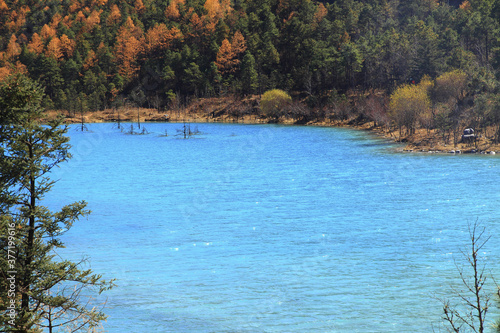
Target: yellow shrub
[[450, 86], [273, 103], [407, 103]]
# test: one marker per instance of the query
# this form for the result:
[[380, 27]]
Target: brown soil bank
[[247, 111]]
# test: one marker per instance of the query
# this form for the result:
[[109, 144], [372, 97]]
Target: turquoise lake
[[266, 228]]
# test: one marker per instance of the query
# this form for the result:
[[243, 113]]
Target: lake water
[[263, 228]]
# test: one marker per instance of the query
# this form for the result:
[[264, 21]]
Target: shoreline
[[421, 142]]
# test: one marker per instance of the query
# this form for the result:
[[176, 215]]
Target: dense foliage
[[274, 103], [93, 54]]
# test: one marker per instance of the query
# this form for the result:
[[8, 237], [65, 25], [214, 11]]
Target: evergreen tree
[[249, 76], [39, 292]]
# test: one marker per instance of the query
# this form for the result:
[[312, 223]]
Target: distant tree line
[[103, 53]]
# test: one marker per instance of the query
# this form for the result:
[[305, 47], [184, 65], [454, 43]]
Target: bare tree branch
[[474, 298]]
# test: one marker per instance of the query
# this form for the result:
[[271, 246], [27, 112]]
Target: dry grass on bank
[[204, 110]]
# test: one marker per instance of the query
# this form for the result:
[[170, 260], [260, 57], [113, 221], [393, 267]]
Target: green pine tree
[[249, 76], [38, 292]]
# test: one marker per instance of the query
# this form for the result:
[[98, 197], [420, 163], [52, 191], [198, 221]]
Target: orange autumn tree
[[196, 25], [16, 19], [5, 71], [213, 8], [47, 32], [11, 21], [80, 17], [54, 49], [3, 6], [8, 59], [127, 49], [56, 19], [320, 14], [227, 60], [131, 28], [160, 38], [93, 20], [238, 44], [114, 16], [199, 31], [67, 45], [90, 60], [36, 44], [75, 5], [217, 10], [139, 6], [224, 60], [13, 48], [172, 11], [9, 69], [66, 21]]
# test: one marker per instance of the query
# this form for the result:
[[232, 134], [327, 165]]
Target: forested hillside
[[98, 53]]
